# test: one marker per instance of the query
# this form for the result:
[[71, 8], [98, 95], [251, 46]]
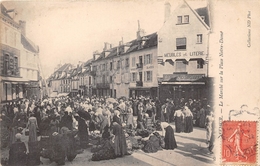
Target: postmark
[[239, 142]]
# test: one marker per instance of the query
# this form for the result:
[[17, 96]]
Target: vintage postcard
[[126, 82]]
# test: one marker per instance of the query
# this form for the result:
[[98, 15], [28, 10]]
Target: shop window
[[199, 38], [200, 64], [148, 76], [181, 43]]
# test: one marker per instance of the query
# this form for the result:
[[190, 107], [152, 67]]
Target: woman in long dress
[[209, 125], [188, 123], [32, 125], [129, 116], [169, 139], [202, 117], [119, 140], [179, 117]]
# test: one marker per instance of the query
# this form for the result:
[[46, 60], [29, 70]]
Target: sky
[[69, 31]]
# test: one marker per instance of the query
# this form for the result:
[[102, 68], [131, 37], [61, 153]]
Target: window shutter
[[144, 59], [151, 58], [180, 41], [145, 76], [151, 76]]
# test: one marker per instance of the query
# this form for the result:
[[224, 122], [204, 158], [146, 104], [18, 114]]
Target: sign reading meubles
[[185, 54]]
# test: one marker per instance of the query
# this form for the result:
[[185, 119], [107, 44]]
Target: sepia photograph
[[113, 82]]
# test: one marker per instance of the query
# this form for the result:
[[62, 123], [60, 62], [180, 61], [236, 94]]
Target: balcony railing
[[139, 83], [103, 85], [139, 65]]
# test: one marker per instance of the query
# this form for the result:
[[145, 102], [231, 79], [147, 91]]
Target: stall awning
[[53, 94], [63, 94]]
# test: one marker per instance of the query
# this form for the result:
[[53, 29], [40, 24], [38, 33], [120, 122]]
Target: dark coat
[[169, 139]]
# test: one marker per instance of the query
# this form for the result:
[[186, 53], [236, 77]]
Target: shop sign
[[178, 54]]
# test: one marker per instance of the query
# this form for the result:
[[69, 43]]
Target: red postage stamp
[[239, 142]]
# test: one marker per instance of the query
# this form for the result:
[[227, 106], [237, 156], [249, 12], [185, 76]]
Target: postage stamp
[[239, 142]]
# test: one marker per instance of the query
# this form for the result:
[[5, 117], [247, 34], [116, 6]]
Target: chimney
[[23, 27], [140, 32], [167, 11]]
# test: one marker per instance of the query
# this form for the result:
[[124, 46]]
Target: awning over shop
[[183, 79], [53, 94], [141, 88], [63, 94]]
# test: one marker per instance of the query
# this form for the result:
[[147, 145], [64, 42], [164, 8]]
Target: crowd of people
[[60, 128]]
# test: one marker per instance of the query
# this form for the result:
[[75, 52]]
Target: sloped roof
[[3, 11], [63, 67], [149, 41], [203, 12], [29, 45]]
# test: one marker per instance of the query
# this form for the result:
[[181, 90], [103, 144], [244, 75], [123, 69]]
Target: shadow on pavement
[[192, 138], [193, 150]]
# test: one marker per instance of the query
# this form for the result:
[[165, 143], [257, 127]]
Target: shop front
[[187, 86], [150, 92]]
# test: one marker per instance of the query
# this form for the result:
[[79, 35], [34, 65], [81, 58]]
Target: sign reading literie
[[185, 54]]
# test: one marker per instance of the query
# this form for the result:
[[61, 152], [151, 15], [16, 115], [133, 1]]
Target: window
[[133, 77], [148, 76], [203, 18], [181, 43], [200, 64], [179, 19], [148, 59], [122, 63], [133, 62], [183, 19], [127, 62], [186, 19], [111, 79], [199, 38], [180, 66], [6, 64], [118, 64], [111, 65], [89, 80]]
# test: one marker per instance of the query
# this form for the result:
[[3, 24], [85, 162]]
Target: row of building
[[170, 63], [19, 71]]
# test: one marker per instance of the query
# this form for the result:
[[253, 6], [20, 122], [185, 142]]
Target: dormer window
[[203, 18]]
